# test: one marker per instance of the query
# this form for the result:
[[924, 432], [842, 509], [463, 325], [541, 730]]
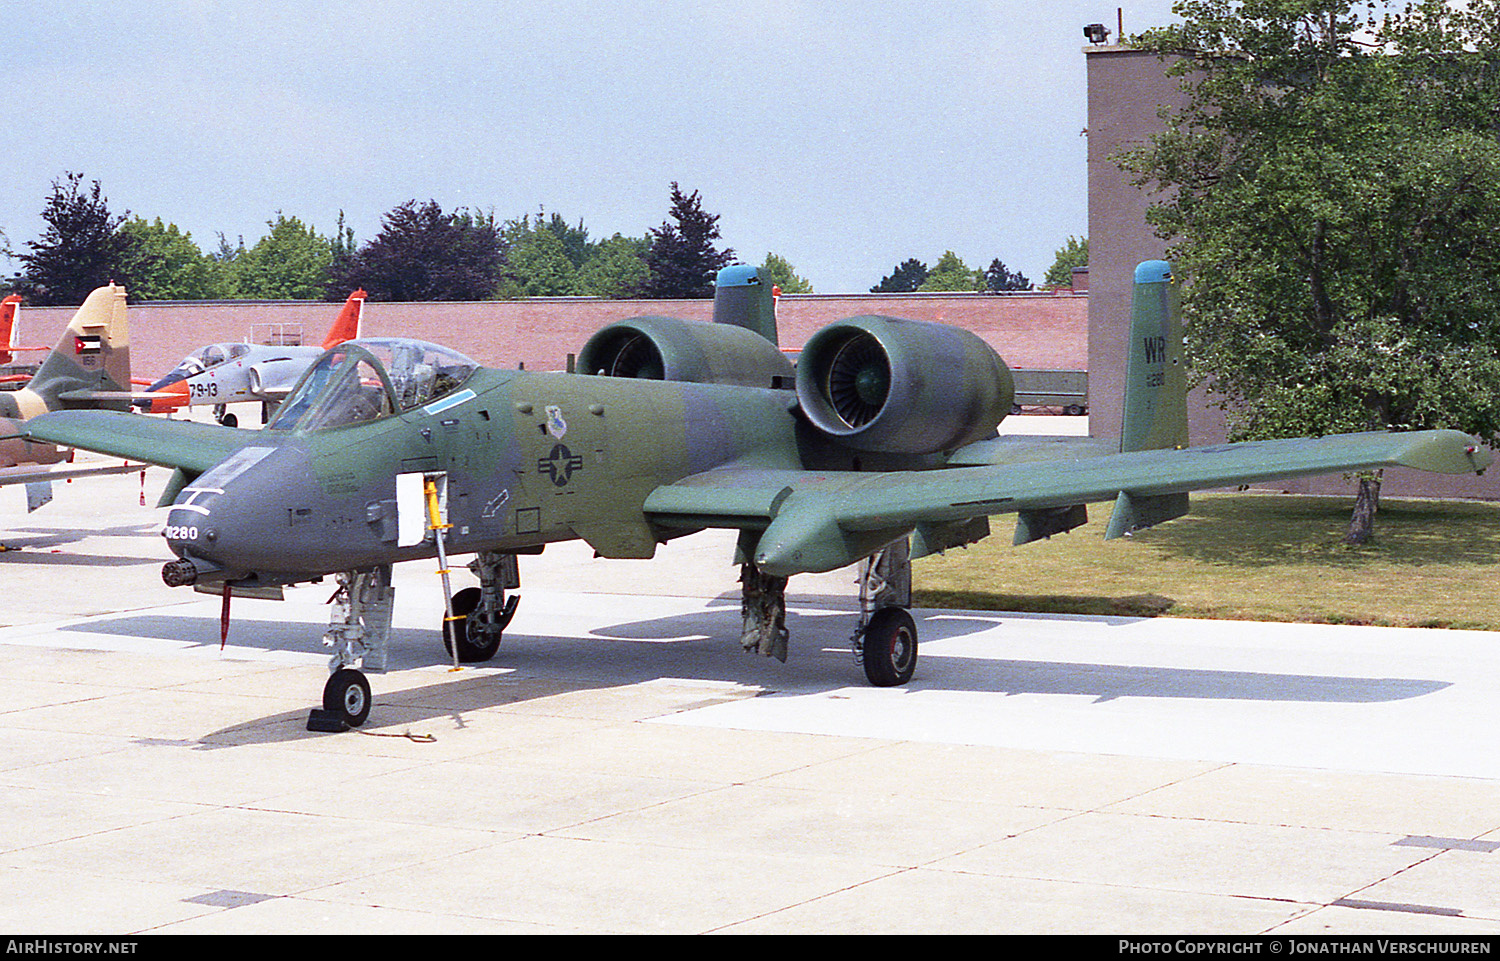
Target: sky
[[845, 137]]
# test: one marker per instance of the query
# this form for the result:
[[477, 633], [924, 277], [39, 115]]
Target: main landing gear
[[885, 639], [359, 630], [481, 614]]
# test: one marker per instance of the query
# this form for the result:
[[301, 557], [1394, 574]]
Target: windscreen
[[363, 380]]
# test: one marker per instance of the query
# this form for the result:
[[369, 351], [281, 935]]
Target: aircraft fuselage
[[525, 458]]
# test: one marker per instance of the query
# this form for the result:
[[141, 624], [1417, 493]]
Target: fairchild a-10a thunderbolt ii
[[229, 373], [884, 434]]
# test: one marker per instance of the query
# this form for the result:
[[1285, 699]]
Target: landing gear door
[[411, 507]]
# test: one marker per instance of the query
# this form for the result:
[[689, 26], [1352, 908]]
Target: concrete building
[[1126, 88]]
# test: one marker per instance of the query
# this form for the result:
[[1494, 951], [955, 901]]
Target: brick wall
[[1028, 330]]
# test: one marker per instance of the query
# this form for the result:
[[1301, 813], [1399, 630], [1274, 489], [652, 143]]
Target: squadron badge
[[556, 426]]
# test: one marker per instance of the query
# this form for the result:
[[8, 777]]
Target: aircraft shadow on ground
[[44, 545], [703, 646]]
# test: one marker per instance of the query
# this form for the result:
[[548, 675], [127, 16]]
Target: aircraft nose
[[175, 386], [190, 535], [246, 520]]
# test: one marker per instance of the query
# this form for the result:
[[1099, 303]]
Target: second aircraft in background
[[231, 373]]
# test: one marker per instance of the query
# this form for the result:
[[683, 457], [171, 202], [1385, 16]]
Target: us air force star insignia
[[556, 426], [559, 465]]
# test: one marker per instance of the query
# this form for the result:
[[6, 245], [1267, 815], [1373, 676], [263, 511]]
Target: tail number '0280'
[[180, 532]]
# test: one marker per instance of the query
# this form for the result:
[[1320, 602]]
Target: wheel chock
[[330, 721]]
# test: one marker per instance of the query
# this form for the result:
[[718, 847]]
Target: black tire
[[347, 694], [889, 650], [1073, 410], [228, 420], [475, 643]]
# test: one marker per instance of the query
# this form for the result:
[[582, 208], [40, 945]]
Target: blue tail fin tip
[[1153, 272], [738, 275]]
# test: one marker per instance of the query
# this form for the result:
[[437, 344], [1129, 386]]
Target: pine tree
[[683, 260]]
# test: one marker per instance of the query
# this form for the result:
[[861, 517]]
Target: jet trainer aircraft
[[884, 434], [220, 374], [89, 367]]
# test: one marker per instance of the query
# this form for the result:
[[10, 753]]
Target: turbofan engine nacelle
[[902, 386], [666, 348]]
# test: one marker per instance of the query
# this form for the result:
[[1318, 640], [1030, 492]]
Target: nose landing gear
[[346, 699], [359, 632]]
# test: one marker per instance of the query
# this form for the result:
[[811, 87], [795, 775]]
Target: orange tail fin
[[346, 325], [8, 308]]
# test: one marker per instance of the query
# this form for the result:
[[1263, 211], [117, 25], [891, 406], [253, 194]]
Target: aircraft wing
[[817, 521], [30, 474], [38, 478], [189, 445]]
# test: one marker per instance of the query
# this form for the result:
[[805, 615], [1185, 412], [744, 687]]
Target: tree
[[616, 268], [951, 273], [292, 262], [167, 265], [422, 253], [683, 260], [784, 276], [573, 241], [1330, 192], [81, 249], [1073, 254], [908, 276], [998, 277], [536, 263]]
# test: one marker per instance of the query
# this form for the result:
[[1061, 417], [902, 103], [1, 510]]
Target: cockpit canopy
[[362, 380], [205, 357]]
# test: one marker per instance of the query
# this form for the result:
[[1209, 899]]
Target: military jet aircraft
[[220, 374], [89, 367], [884, 434]]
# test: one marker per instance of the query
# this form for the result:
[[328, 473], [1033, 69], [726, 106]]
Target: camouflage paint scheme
[[89, 367], [884, 431]]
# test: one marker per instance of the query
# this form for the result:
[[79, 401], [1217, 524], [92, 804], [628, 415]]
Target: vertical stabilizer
[[8, 309], [743, 296], [1155, 373], [1155, 394], [93, 355], [346, 326]]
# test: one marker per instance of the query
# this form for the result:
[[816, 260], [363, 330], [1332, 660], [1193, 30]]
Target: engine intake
[[667, 348], [902, 386]]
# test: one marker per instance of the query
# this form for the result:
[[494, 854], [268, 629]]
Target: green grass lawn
[[1247, 556]]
